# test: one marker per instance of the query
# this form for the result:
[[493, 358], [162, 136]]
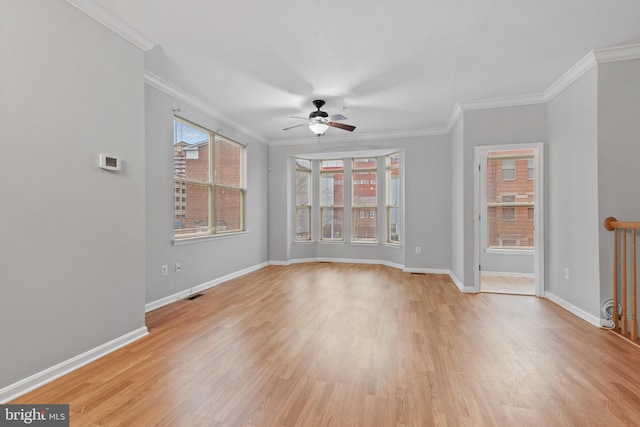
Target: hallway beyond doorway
[[518, 285]]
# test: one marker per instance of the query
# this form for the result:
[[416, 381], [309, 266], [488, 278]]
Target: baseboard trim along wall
[[460, 286], [595, 321], [426, 270], [507, 274], [349, 261], [24, 386], [199, 288]]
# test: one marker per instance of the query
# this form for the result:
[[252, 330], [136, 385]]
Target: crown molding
[[114, 23], [568, 78], [172, 90], [590, 60], [482, 104], [455, 115], [371, 136], [619, 53], [509, 101]]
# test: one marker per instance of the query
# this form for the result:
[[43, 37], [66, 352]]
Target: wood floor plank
[[323, 344]]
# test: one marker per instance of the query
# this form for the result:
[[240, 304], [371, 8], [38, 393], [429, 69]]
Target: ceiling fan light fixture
[[318, 128]]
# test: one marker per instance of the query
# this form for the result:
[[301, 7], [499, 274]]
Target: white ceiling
[[392, 67]]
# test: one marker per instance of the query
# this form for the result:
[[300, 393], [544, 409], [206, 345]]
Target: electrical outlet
[[418, 250], [165, 270], [178, 267], [566, 273]]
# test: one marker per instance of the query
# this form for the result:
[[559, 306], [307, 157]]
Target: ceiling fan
[[319, 121]]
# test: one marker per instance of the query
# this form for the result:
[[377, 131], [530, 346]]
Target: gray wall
[[427, 207], [72, 247], [495, 126], [572, 194], [618, 153], [208, 260]]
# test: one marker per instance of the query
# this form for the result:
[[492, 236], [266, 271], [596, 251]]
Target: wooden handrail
[[611, 224], [621, 325]]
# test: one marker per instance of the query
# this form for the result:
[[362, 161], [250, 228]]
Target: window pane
[[228, 209], [191, 161], [394, 221], [365, 186], [394, 187], [393, 160], [364, 227], [331, 165], [393, 197], [192, 214], [333, 189], [303, 164], [509, 198], [190, 152], [302, 188], [332, 223], [364, 163], [228, 163], [303, 224]]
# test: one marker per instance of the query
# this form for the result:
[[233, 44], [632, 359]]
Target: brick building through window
[[510, 199]]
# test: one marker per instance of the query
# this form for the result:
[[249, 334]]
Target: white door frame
[[480, 152]]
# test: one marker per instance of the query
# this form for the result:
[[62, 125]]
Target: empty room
[[252, 213]]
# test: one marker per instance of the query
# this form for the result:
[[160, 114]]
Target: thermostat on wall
[[110, 162]]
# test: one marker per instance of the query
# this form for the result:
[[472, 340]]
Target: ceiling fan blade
[[296, 126], [341, 126], [298, 117], [337, 117]]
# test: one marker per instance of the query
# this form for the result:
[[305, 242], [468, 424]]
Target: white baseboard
[[201, 287], [360, 261], [459, 285], [293, 261], [507, 274], [24, 386], [425, 270], [595, 321], [339, 260]]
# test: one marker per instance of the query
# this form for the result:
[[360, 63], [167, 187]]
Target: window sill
[[365, 243], [392, 245], [495, 251], [304, 242], [201, 239]]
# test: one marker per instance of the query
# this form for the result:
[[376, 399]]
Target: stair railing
[[620, 289]]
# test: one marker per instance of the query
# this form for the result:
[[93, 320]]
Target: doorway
[[509, 219]]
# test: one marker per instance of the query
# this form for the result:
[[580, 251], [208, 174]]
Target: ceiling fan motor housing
[[319, 114], [318, 103]]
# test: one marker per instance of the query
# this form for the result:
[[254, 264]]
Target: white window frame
[[308, 205], [333, 206], [389, 169], [212, 186], [363, 207]]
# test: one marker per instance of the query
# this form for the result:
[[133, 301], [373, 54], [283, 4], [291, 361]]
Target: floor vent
[[194, 296]]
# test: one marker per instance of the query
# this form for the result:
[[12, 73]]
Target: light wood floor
[[507, 285], [357, 345]]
